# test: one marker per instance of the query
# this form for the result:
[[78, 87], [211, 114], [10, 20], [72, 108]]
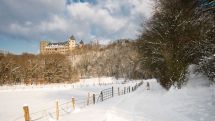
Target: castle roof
[[81, 42], [58, 43]]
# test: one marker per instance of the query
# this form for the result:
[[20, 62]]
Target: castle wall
[[62, 48]]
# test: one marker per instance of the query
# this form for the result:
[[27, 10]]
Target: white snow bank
[[103, 81]]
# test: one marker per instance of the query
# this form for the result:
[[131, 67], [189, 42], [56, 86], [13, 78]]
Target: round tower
[[72, 43], [43, 45]]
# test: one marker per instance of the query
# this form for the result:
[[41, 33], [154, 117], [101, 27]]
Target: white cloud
[[18, 29], [93, 15], [55, 23], [106, 20]]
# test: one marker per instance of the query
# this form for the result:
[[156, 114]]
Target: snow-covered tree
[[172, 40]]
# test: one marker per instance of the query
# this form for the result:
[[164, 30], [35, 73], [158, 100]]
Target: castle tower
[[72, 43], [81, 44], [43, 45]]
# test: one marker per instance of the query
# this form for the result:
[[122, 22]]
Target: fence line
[[61, 109]]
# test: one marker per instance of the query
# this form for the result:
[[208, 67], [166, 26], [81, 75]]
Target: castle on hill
[[59, 47]]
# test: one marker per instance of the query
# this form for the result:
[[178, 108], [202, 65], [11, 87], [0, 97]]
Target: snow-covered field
[[192, 103], [44, 96]]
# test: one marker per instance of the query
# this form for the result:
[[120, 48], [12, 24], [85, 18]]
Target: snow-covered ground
[[83, 83], [40, 97], [188, 104], [192, 103]]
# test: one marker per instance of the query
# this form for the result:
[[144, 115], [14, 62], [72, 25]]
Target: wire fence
[[69, 106]]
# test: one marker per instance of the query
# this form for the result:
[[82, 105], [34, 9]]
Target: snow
[[39, 97], [197, 79], [191, 103]]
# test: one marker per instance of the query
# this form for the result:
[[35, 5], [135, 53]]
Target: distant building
[[60, 47]]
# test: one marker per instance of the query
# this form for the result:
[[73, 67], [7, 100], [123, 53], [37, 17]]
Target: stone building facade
[[60, 47]]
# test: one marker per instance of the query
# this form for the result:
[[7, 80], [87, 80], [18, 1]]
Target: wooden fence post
[[129, 88], [94, 99], [118, 91], [88, 98], [124, 90], [112, 92], [73, 103], [57, 111], [26, 113], [102, 96]]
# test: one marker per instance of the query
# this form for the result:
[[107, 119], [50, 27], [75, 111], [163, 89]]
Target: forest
[[118, 59]]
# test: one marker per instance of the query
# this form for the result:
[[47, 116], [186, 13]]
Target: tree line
[[119, 59], [36, 69], [180, 33]]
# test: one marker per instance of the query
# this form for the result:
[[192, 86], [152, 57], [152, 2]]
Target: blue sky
[[25, 23]]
